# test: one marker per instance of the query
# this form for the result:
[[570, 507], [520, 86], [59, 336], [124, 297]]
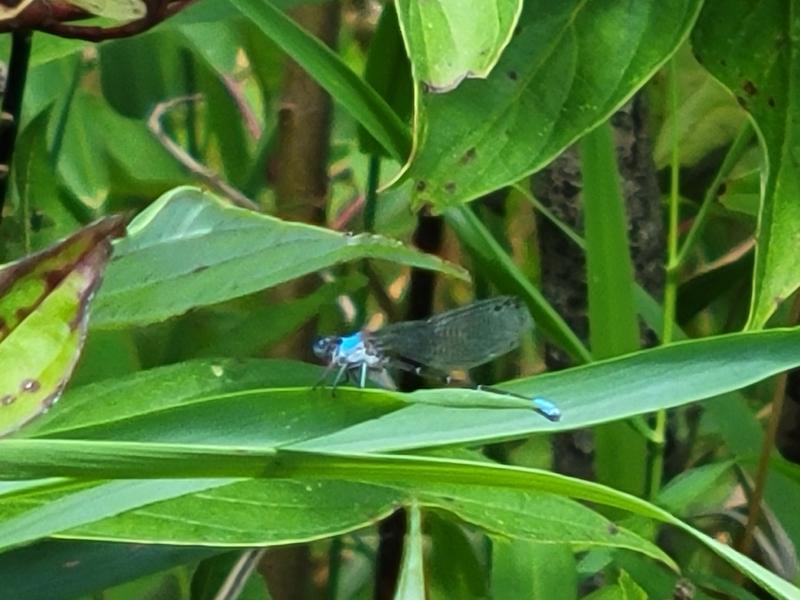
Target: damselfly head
[[325, 347]]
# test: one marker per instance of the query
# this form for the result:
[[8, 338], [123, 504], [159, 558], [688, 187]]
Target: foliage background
[[178, 444]]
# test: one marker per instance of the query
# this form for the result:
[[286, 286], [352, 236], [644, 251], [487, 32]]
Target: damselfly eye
[[323, 347]]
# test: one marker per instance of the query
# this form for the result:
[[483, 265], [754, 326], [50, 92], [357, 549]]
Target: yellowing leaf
[[44, 300]]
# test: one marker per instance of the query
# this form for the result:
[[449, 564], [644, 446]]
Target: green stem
[[548, 214], [371, 193], [334, 566], [671, 288], [740, 144]]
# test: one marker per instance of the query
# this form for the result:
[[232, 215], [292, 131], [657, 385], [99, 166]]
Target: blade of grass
[[620, 451]]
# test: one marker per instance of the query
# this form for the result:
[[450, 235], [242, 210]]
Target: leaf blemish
[[512, 75], [749, 88], [421, 185], [469, 155], [450, 187], [7, 400], [613, 529], [771, 101], [30, 385], [54, 277]]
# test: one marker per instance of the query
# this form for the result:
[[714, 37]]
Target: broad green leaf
[[707, 118], [39, 197], [85, 175], [31, 458], [44, 303], [603, 391], [450, 40], [70, 569], [56, 511], [189, 249], [569, 66], [156, 80], [117, 10], [231, 402], [225, 400], [454, 565], [624, 589], [328, 70], [140, 166], [530, 569], [411, 584], [754, 50], [688, 487], [242, 328], [544, 517]]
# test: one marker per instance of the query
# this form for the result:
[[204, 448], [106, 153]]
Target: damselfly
[[458, 339]]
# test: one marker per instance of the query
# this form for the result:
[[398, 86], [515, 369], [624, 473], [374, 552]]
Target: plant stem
[[371, 194], [733, 155], [12, 106], [334, 566], [671, 288], [762, 470]]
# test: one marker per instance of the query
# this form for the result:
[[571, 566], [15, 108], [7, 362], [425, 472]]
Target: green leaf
[[544, 517], [688, 487], [568, 68], [599, 392], [231, 402], [245, 402], [411, 584], [242, 328], [189, 249], [614, 325], [621, 451], [753, 49], [707, 119], [328, 70], [449, 41], [25, 458], [529, 569], [55, 511], [70, 569], [454, 565], [389, 72], [44, 303], [86, 177], [625, 589]]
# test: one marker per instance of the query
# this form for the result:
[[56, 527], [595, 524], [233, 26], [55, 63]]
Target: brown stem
[[754, 509], [207, 175], [299, 172], [54, 18]]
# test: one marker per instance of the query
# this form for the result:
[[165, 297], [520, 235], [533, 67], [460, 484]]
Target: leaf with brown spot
[[44, 301], [760, 43]]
